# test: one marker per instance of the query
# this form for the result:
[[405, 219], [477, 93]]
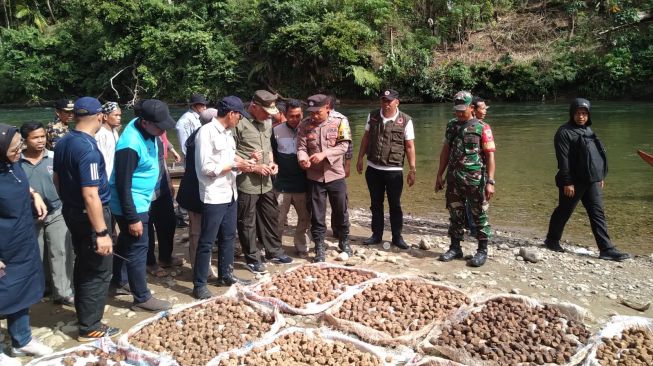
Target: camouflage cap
[[462, 100]]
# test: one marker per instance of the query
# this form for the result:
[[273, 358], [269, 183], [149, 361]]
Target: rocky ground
[[517, 265]]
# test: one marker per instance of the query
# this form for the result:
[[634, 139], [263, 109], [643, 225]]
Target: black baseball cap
[[157, 112], [317, 101], [64, 104], [389, 94]]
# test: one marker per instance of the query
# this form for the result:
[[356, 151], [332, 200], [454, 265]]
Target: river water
[[526, 166]]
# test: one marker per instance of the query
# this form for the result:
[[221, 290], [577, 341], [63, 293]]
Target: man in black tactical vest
[[389, 138]]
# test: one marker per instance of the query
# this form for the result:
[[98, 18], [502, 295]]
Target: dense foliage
[[123, 49]]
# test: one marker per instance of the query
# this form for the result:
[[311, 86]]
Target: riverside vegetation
[[502, 49]]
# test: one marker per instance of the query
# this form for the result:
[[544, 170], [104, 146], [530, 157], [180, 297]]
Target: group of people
[[64, 192]]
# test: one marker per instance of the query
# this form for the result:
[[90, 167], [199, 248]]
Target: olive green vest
[[386, 144]]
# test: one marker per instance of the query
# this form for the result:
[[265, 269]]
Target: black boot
[[481, 255], [343, 244], [454, 252], [320, 249], [372, 240]]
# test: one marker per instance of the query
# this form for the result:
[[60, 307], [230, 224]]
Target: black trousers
[[380, 182], [591, 197], [336, 191], [258, 216], [92, 272], [163, 222]]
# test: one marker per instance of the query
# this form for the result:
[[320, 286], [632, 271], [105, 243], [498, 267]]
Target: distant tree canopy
[[128, 49]]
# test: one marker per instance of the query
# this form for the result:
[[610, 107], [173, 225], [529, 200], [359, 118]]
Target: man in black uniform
[[80, 177], [582, 167]]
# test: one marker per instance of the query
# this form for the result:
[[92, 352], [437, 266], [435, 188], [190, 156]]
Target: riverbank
[[577, 276]]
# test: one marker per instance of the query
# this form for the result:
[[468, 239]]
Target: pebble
[[612, 296], [342, 257], [530, 255], [425, 243], [291, 322], [515, 291], [53, 341], [131, 314]]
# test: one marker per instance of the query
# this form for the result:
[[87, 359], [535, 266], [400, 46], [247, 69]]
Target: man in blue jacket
[[582, 167], [135, 175]]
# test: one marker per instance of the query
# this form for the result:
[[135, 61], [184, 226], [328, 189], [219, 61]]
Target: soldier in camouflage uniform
[[56, 129], [468, 157]]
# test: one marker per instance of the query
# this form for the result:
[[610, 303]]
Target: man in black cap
[[190, 121], [389, 137], [136, 171], [55, 130], [582, 167], [322, 141], [80, 177], [258, 210]]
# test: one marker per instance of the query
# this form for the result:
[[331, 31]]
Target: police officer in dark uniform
[[582, 166], [80, 176]]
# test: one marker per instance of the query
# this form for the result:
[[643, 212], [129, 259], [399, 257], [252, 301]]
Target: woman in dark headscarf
[[21, 271]]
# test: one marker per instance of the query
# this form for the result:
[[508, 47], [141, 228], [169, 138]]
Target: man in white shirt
[[389, 137], [190, 121], [217, 164], [107, 136]]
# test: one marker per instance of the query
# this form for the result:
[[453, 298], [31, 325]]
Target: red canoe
[[647, 157]]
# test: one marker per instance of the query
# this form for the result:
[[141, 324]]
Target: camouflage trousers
[[457, 195]]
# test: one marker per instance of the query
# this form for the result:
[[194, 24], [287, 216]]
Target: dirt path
[[580, 278]]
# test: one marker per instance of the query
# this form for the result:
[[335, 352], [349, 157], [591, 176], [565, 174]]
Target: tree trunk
[[47, 2], [4, 8]]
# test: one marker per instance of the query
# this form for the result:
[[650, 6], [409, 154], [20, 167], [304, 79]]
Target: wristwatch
[[234, 168], [102, 233], [491, 181]]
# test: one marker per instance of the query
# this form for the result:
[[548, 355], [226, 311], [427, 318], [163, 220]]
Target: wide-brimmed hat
[[197, 99]]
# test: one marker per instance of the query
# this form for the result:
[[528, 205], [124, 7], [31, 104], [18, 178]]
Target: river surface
[[526, 165]]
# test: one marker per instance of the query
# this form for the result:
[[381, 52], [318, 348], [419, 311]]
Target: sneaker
[[33, 348], [152, 304], [554, 246], [67, 301], [231, 280], [258, 268], [613, 254], [202, 293], [282, 259], [9, 361], [103, 331]]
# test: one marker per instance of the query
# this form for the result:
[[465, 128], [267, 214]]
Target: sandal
[[157, 271], [174, 262]]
